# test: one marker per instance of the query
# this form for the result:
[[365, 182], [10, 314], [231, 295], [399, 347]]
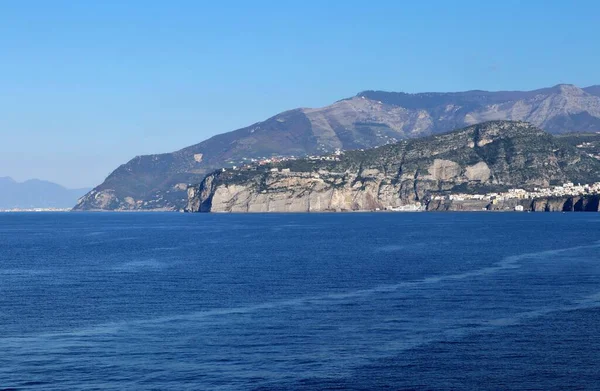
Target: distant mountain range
[[367, 120], [36, 193]]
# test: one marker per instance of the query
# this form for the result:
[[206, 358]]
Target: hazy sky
[[87, 85]]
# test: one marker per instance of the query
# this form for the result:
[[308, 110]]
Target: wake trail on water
[[507, 263]]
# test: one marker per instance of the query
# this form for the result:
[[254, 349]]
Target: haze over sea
[[299, 301]]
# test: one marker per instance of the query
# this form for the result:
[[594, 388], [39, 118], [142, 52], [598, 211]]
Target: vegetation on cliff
[[494, 155]]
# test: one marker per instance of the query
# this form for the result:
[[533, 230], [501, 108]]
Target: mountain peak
[[568, 89]]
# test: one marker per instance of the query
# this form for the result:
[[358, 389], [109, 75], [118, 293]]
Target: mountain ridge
[[36, 193], [367, 120], [594, 90]]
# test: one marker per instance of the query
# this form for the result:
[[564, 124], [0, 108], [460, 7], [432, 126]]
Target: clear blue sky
[[87, 85]]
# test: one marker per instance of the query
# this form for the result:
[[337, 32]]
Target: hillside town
[[253, 163], [564, 190]]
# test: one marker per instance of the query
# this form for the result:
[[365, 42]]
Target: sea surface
[[359, 301]]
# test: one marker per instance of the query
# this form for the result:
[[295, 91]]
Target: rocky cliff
[[567, 204], [588, 203], [370, 119], [491, 156]]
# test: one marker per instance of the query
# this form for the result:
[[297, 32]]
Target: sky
[[88, 85]]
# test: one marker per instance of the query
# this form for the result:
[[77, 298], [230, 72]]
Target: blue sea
[[358, 301]]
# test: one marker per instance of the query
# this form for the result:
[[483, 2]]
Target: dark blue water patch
[[171, 301], [553, 352]]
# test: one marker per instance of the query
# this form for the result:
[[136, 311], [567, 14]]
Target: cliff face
[[589, 203], [479, 158], [370, 119], [567, 204]]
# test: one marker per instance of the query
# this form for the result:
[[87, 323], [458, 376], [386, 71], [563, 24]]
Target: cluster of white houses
[[250, 163], [35, 210], [566, 190], [587, 145]]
